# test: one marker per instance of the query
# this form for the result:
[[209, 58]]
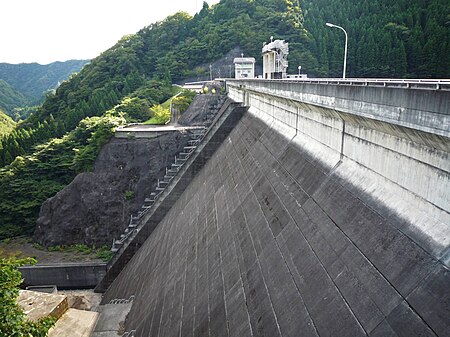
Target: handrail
[[437, 84]]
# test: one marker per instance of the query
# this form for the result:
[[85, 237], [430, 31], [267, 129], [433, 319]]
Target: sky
[[46, 31]]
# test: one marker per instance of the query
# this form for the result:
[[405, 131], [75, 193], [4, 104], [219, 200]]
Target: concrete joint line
[[258, 259]]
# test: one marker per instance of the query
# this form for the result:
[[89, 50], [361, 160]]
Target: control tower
[[275, 61]]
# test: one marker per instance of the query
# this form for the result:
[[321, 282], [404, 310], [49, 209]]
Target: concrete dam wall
[[307, 221]]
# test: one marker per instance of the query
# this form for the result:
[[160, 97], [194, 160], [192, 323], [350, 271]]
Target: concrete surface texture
[[64, 275], [281, 234], [423, 109], [407, 170], [111, 320], [74, 323], [38, 305]]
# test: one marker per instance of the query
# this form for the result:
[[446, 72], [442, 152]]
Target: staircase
[[201, 146], [112, 318], [196, 137]]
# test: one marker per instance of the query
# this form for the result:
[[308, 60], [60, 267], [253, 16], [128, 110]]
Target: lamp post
[[345, 50], [210, 72]]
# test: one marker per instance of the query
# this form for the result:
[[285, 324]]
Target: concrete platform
[[37, 305], [74, 323], [150, 131], [112, 319]]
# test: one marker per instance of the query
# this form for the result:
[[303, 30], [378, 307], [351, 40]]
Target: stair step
[[189, 149], [75, 323], [185, 154], [117, 243]]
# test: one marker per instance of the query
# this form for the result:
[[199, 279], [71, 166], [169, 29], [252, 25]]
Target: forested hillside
[[11, 99], [6, 124], [33, 79], [393, 39], [386, 39], [23, 86]]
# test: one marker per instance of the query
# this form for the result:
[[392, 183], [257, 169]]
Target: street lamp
[[345, 50]]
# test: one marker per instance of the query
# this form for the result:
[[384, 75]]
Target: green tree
[[161, 114]]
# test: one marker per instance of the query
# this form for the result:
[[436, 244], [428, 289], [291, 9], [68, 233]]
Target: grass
[[165, 105], [153, 121], [103, 253]]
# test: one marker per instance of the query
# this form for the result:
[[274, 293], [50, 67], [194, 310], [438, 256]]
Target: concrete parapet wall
[[422, 109], [406, 169]]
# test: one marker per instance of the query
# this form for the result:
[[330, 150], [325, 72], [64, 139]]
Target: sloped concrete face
[[270, 241]]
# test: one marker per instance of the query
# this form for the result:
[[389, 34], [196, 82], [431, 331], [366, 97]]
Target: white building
[[275, 61], [244, 67]]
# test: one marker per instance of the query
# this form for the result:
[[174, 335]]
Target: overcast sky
[[45, 31]]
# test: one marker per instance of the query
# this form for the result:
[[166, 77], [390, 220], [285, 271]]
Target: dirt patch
[[22, 247], [82, 299]]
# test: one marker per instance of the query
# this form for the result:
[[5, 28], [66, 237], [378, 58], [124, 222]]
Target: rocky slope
[[96, 206]]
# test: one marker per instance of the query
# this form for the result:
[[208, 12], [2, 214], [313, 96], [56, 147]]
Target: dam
[[322, 210]]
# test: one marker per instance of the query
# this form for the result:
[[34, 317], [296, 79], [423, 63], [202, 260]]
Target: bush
[[104, 254], [161, 114], [129, 195], [13, 321]]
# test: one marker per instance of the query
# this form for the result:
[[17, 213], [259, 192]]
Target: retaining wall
[[64, 276]]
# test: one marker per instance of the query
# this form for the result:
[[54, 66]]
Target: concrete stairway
[[198, 150], [195, 138], [112, 318]]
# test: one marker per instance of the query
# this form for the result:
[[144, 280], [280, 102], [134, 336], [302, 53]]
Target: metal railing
[[426, 84]]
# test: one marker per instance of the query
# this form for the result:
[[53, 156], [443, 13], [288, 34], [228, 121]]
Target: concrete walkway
[[150, 131]]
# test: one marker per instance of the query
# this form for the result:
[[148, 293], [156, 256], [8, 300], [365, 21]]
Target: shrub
[[13, 321]]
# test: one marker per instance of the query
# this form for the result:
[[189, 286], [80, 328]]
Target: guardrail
[[425, 84]]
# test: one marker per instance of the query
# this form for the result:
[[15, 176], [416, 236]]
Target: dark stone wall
[[266, 241]]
